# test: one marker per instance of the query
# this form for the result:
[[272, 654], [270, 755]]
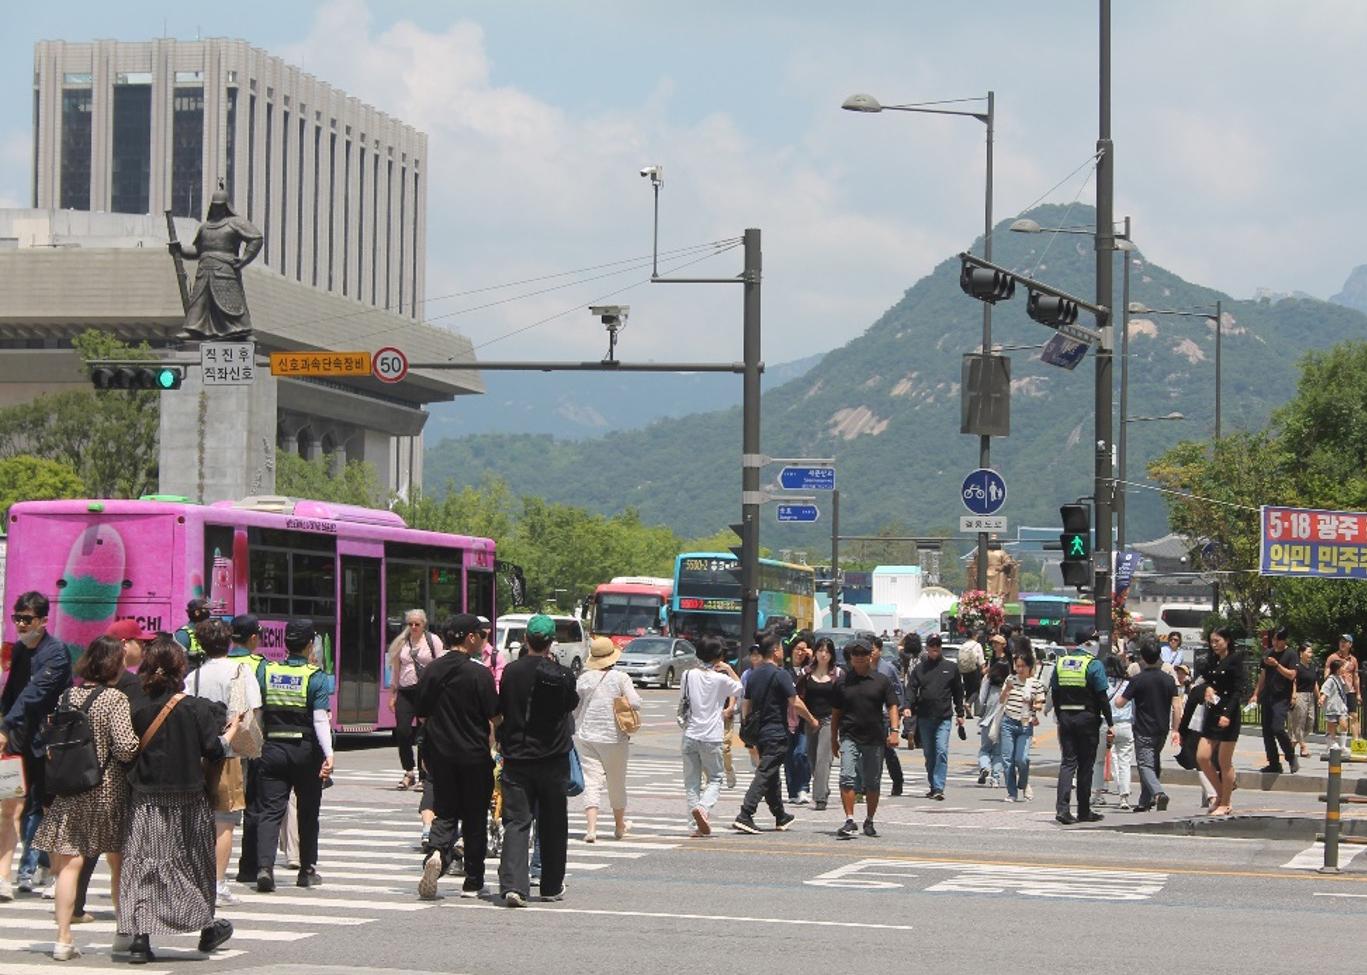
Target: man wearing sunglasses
[[40, 670]]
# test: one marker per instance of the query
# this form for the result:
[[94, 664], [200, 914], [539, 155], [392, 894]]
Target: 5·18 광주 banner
[[1313, 543]]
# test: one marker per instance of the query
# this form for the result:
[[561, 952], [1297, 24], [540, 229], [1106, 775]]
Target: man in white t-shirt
[[972, 663], [702, 698]]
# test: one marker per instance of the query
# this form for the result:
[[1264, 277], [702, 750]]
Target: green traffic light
[[1077, 546], [167, 379]]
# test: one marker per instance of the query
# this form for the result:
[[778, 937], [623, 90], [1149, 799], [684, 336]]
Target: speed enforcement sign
[[390, 365]]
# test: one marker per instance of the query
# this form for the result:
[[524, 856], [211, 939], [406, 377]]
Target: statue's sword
[[180, 262]]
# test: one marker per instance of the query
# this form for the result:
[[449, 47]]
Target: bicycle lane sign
[[984, 492]]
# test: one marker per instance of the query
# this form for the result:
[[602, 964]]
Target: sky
[[1237, 130]]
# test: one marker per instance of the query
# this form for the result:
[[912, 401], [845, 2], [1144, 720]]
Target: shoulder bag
[[250, 736], [681, 716], [628, 718], [576, 782]]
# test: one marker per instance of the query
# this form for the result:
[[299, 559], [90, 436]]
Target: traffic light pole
[[835, 558], [750, 427], [1105, 262]]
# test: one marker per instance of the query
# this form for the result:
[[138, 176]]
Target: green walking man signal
[[1076, 542]]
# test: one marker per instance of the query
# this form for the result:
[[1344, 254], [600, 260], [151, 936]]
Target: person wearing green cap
[[536, 699]]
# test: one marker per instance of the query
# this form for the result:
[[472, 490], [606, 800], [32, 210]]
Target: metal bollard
[[1331, 810]]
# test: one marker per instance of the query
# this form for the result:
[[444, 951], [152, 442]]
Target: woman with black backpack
[[95, 739]]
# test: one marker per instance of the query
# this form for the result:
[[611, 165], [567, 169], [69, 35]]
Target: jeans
[[861, 766], [934, 735], [1077, 739], [1275, 714], [1122, 758], [1015, 754], [1146, 751], [797, 765], [460, 803], [700, 757], [35, 769], [765, 784], [989, 751], [819, 751], [535, 790]]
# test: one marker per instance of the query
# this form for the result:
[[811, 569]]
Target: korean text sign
[[1313, 543]]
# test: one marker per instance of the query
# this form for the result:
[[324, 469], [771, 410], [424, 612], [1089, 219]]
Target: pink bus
[[354, 571]]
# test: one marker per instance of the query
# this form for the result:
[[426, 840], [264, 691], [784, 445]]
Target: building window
[[284, 185], [299, 204], [251, 156], [332, 199], [190, 77], [266, 230], [413, 302], [360, 231], [75, 188], [231, 143], [317, 163], [346, 221], [388, 227], [74, 78], [374, 224], [403, 224], [132, 164], [36, 105], [187, 150]]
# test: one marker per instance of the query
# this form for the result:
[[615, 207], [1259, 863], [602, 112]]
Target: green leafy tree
[[27, 478], [357, 483]]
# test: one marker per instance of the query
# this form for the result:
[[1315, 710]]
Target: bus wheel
[[669, 677]]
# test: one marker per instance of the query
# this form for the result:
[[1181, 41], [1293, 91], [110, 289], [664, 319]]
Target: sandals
[[407, 782]]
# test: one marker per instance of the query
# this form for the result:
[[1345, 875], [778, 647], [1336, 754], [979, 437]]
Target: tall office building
[[337, 186]]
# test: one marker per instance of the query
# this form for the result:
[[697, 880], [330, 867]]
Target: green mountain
[[886, 407]]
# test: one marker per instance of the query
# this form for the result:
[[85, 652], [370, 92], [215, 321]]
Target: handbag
[[11, 777], [225, 784], [681, 716], [628, 718], [576, 783], [250, 736]]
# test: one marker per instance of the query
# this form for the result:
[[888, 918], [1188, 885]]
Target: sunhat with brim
[[602, 653]]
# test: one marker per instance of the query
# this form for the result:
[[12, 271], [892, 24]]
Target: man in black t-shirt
[[768, 690], [864, 721], [457, 699], [1274, 688], [1157, 711]]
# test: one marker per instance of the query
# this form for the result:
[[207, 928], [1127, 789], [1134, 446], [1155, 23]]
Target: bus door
[[360, 640]]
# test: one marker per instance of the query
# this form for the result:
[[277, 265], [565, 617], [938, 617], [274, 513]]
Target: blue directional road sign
[[807, 478], [1063, 351], [984, 492], [798, 512]]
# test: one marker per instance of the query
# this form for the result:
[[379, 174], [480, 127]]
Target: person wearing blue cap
[[297, 754]]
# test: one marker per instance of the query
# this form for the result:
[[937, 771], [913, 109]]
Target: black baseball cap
[[461, 625], [298, 634], [197, 606], [244, 627], [857, 648]]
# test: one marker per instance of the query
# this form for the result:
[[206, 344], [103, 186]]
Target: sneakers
[[559, 895], [804, 798], [426, 838], [781, 823], [745, 823], [819, 806], [265, 881], [6, 891], [1065, 819], [50, 891], [25, 883], [1124, 804], [431, 873], [65, 952], [700, 818], [1098, 799], [308, 877], [471, 888], [514, 899], [730, 778], [1091, 817], [868, 828], [1029, 793], [1273, 769], [982, 776], [1161, 800], [215, 935], [1295, 764], [848, 831], [929, 794], [1009, 799], [938, 795], [225, 897]]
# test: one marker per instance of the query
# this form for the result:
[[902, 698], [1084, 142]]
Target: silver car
[[657, 660]]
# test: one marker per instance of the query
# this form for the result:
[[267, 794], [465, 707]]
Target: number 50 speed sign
[[390, 365]]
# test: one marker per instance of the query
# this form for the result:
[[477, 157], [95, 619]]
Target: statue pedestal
[[218, 442]]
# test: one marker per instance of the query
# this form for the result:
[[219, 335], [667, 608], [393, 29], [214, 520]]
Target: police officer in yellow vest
[[197, 610], [246, 633], [1078, 689], [297, 754]]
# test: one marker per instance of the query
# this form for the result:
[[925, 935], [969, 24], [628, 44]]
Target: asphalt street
[[965, 885]]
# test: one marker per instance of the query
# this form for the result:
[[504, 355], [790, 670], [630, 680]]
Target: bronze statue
[[216, 308]]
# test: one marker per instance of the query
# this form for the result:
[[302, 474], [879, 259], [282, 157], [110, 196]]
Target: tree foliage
[[27, 478], [1312, 454], [358, 483]]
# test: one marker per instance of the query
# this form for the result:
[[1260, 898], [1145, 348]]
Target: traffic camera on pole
[[137, 377], [985, 284], [1076, 542], [1051, 311]]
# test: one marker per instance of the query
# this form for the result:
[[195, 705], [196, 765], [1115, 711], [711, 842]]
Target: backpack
[[73, 764]]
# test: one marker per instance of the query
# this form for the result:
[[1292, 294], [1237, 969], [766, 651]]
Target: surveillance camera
[[610, 314], [656, 174]]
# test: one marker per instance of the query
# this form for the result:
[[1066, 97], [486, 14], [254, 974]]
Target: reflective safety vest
[[195, 651], [286, 700], [1072, 693], [253, 661]]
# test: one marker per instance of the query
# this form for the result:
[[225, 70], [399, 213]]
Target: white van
[[1187, 619], [571, 645]]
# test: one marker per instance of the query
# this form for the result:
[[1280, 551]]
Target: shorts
[[861, 766], [228, 818], [1352, 703]]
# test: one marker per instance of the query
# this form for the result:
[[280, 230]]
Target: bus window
[[443, 590], [479, 593], [292, 574]]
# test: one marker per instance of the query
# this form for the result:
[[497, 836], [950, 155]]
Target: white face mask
[[31, 637]]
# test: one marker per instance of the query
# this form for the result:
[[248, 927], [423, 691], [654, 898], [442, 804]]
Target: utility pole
[[1219, 327], [1124, 433], [1105, 261], [985, 442], [835, 558], [750, 466]]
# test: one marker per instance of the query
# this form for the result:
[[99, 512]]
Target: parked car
[[571, 645], [658, 660]]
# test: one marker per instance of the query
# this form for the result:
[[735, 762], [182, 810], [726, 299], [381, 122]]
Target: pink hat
[[128, 629]]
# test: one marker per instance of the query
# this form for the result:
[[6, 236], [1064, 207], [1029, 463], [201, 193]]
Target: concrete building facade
[[338, 187]]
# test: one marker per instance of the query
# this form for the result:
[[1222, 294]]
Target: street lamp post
[[867, 103], [1138, 308]]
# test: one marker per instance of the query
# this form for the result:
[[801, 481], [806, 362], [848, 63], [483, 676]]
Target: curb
[[1298, 828], [1251, 780]]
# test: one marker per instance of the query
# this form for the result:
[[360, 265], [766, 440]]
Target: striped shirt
[[1022, 696]]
